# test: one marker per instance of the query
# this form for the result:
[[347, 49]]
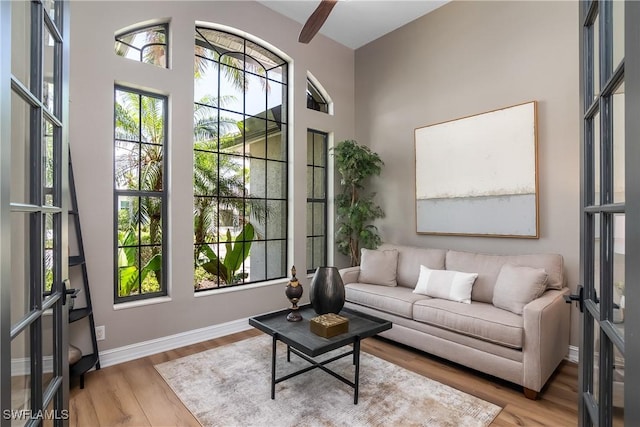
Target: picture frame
[[478, 175]]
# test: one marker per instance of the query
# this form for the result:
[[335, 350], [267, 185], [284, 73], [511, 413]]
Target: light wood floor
[[134, 394]]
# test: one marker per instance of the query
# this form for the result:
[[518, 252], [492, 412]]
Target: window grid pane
[[316, 199], [240, 162], [140, 174], [149, 45]]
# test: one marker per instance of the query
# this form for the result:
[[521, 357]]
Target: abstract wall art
[[478, 175]]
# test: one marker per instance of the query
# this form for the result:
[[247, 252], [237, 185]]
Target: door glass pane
[[48, 73], [49, 7], [618, 32], [47, 160], [21, 40], [48, 354], [596, 363], [618, 389], [618, 270], [595, 123], [20, 149], [596, 56], [49, 252], [596, 257], [50, 415], [20, 271], [21, 373], [618, 145]]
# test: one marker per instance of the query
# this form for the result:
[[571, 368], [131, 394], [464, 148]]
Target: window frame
[[163, 196], [164, 26], [315, 99], [280, 120], [311, 267]]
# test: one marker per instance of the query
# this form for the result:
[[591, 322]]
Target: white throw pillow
[[516, 286], [378, 267], [445, 284]]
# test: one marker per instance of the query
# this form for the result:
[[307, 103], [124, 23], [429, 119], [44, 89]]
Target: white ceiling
[[355, 23]]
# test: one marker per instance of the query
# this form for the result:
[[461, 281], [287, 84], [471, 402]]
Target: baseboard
[[158, 345], [126, 353], [20, 366], [573, 355]]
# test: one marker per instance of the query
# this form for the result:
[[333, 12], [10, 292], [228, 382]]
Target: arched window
[[148, 44], [240, 161], [317, 98]]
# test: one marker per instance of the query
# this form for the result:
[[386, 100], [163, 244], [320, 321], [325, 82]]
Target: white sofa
[[521, 348]]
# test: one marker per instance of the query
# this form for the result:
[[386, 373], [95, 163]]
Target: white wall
[[465, 58], [94, 70]]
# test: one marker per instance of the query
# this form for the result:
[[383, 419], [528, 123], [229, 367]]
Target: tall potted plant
[[354, 209]]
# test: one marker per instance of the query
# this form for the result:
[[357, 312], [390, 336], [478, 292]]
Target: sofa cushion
[[410, 259], [479, 320], [516, 286], [447, 284], [395, 300], [488, 267], [379, 267]]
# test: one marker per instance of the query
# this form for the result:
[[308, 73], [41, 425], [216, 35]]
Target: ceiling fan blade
[[316, 20]]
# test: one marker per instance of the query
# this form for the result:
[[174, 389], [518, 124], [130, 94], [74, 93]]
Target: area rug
[[230, 386]]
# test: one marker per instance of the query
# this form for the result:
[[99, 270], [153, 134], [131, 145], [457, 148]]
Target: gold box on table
[[329, 325]]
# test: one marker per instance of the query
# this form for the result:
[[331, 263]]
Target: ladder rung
[[76, 260]]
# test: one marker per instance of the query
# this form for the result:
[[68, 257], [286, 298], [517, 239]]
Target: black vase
[[327, 291]]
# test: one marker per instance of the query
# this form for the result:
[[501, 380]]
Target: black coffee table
[[307, 345]]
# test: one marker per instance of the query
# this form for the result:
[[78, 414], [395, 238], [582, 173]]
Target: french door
[[33, 213], [610, 213]]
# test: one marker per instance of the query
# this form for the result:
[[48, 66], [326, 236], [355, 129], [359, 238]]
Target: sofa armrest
[[350, 274], [546, 337]]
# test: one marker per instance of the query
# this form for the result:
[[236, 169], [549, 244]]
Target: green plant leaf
[[212, 265], [240, 251], [154, 264], [129, 278]]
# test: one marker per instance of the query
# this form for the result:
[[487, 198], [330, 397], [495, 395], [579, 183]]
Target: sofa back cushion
[[378, 267], [488, 267], [516, 286], [410, 259]]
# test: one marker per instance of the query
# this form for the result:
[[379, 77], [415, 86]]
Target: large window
[[140, 194], [240, 161], [148, 45], [316, 199]]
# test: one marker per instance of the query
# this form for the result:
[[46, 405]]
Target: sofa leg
[[530, 394]]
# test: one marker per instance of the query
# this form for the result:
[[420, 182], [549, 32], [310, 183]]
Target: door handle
[[578, 297], [66, 290]]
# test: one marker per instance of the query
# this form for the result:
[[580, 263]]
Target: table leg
[[356, 358], [273, 367], [288, 353]]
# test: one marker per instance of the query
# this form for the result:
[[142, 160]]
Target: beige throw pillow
[[445, 284], [516, 286], [378, 267]]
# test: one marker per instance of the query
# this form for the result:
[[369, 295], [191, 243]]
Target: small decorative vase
[[294, 293], [327, 291]]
